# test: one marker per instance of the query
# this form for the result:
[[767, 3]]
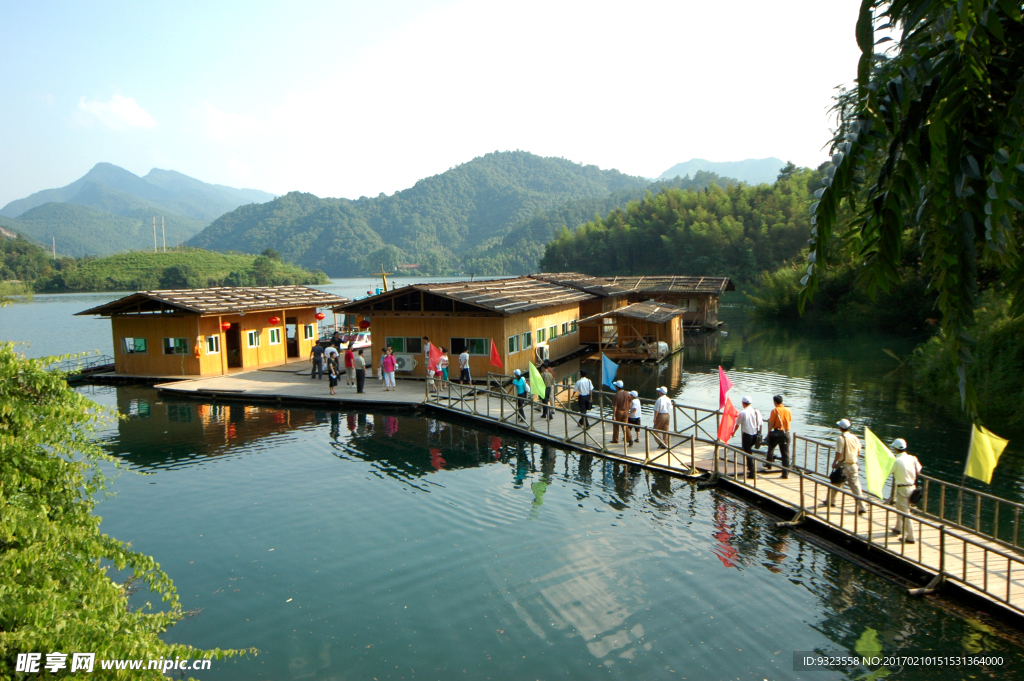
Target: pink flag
[[728, 422], [724, 386]]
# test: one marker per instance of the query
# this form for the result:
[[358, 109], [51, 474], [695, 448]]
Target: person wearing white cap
[[522, 391], [662, 415], [847, 451], [620, 412], [749, 423], [634, 412], [904, 477]]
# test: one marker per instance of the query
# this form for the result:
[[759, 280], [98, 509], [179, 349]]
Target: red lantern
[[365, 324], [224, 326], [274, 320], [320, 316]]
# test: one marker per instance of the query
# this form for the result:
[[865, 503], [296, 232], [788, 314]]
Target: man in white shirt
[[904, 476], [584, 387], [662, 415], [847, 451], [634, 412], [331, 355], [464, 376], [749, 423]]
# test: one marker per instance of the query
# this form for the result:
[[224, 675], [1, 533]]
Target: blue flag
[[608, 369]]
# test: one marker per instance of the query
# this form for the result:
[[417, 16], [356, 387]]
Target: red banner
[[728, 423], [724, 386], [495, 357]]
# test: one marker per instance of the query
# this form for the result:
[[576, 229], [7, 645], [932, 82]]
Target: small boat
[[359, 340]]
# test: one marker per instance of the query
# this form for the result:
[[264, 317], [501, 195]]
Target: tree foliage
[[739, 232], [55, 591], [934, 132], [142, 270]]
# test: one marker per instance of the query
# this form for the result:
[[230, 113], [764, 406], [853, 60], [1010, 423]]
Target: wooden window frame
[[272, 334], [308, 332], [213, 345], [513, 340], [133, 351], [249, 336], [174, 346]]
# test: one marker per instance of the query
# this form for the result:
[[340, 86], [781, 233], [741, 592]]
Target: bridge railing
[[497, 403], [959, 557], [957, 505], [82, 365]]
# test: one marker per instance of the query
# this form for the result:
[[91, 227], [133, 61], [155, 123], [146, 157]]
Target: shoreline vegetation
[[26, 268], [58, 569]]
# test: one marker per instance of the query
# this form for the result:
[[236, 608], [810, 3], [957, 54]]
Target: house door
[[233, 344], [291, 331]]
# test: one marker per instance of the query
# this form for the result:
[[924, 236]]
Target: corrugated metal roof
[[221, 300], [598, 286], [674, 284], [508, 296], [659, 313]]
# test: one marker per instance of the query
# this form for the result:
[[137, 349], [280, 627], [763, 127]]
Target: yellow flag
[[878, 462], [986, 448]]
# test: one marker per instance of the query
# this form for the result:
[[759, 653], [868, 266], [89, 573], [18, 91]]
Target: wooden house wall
[[196, 329], [442, 327]]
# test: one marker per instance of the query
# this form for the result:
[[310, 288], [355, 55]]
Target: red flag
[[495, 357], [433, 360], [728, 423], [724, 386]]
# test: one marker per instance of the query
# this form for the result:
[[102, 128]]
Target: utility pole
[[163, 230], [154, 234], [54, 248]]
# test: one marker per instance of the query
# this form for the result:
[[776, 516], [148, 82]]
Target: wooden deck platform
[[988, 571]]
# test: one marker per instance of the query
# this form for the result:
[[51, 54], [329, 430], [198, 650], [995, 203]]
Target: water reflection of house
[[157, 431], [212, 331]]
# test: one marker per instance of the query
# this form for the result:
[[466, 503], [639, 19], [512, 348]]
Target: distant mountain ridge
[[110, 209], [169, 189], [438, 223], [751, 171]]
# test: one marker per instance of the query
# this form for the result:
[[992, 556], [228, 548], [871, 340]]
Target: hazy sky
[[358, 98]]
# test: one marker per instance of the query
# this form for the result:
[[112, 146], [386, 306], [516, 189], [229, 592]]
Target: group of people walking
[[626, 411], [845, 465]]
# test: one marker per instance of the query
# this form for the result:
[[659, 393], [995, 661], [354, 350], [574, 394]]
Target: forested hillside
[[738, 231], [440, 223], [110, 209], [36, 268], [519, 249]]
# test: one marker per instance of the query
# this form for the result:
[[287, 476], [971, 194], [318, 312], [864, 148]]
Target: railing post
[[532, 410], [801, 475], [716, 459], [924, 496], [942, 551], [693, 454]]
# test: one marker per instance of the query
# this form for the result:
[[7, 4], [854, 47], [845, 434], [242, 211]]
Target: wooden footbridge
[[965, 539]]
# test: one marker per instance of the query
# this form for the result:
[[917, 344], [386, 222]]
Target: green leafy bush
[[55, 591]]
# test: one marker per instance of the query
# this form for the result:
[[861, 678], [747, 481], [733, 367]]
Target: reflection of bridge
[[964, 538]]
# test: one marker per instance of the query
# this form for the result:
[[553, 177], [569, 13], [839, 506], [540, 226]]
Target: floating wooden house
[[212, 331], [528, 319], [606, 297], [641, 331], [698, 296]]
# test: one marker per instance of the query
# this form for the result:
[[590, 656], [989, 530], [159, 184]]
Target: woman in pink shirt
[[388, 367]]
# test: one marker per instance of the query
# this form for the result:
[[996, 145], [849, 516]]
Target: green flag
[[537, 383], [878, 462], [986, 448]]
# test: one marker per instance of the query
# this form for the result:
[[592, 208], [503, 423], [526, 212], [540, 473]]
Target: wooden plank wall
[[196, 329], [442, 327]]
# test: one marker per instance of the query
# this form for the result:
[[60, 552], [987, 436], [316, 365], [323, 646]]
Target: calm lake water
[[387, 545]]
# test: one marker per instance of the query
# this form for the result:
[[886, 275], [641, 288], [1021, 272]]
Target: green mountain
[[81, 230], [739, 232], [751, 171], [166, 189], [438, 224], [520, 247]]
